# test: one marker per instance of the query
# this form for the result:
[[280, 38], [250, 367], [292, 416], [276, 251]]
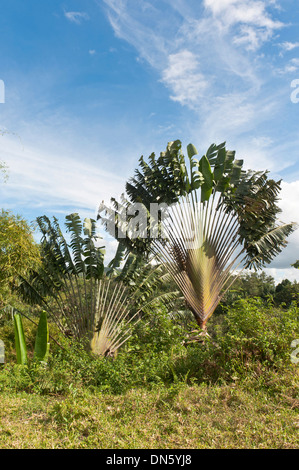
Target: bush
[[251, 340], [253, 331]]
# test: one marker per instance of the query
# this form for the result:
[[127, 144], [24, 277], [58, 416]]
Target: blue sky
[[90, 86]]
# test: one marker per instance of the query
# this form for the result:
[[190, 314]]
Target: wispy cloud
[[212, 60], [76, 16], [64, 185], [290, 67], [289, 46], [208, 61], [253, 23], [183, 78]]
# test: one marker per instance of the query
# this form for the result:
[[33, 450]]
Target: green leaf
[[236, 171], [41, 349], [191, 150], [20, 342], [212, 152], [117, 260], [88, 227], [219, 165], [207, 186]]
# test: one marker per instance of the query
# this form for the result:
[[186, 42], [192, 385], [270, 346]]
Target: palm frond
[[220, 219], [113, 318]]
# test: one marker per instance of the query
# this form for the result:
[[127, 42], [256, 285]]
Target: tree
[[216, 218], [83, 300], [286, 292], [66, 281], [251, 284], [18, 251]]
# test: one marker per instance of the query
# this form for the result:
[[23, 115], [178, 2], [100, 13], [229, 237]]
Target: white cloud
[[47, 182], [255, 24], [243, 11], [198, 56], [279, 275], [290, 67], [289, 46], [131, 22], [203, 64], [289, 202], [76, 16]]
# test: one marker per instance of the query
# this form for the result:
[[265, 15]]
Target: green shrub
[[251, 341], [253, 331]]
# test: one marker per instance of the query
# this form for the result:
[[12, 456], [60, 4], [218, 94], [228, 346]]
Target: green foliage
[[66, 282], [219, 218], [18, 252], [42, 345], [41, 349], [252, 284], [255, 332], [21, 348], [286, 293], [250, 343], [250, 340]]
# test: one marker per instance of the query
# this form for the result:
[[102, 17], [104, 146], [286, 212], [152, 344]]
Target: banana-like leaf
[[206, 171], [220, 164], [21, 348], [199, 252], [66, 284], [42, 345], [115, 263]]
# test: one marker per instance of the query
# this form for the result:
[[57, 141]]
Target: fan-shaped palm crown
[[216, 218]]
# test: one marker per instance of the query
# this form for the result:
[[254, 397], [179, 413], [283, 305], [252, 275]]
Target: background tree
[[251, 284], [286, 292], [218, 218]]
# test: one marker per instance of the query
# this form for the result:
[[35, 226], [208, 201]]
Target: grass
[[195, 417]]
